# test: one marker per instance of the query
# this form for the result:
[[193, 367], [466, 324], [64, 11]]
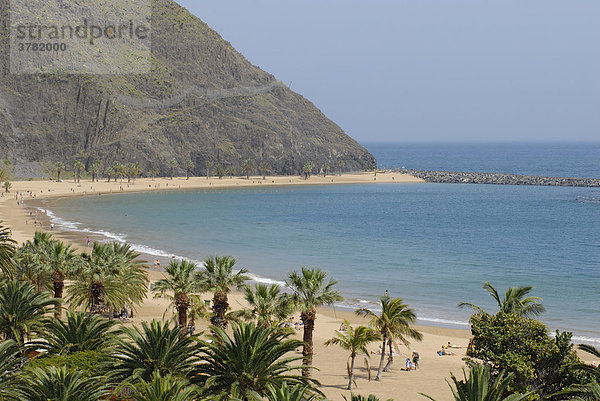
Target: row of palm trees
[[131, 170]]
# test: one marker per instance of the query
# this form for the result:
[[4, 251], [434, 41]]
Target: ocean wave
[[443, 321], [585, 340], [265, 280]]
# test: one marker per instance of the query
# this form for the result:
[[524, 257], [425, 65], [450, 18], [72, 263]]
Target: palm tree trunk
[[351, 373], [382, 359], [58, 281], [308, 319], [182, 312], [390, 357], [220, 307]]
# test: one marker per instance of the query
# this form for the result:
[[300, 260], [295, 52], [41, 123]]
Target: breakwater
[[452, 177]]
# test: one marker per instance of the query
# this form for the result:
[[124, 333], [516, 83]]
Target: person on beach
[[410, 365], [415, 359], [87, 242]]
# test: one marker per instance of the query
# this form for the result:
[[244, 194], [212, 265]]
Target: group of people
[[293, 324], [446, 349], [412, 363]]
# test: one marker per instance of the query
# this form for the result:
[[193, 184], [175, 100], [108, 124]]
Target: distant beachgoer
[[410, 365], [385, 294], [52, 226], [87, 242]]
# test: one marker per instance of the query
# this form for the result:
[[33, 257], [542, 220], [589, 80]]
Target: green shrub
[[524, 347]]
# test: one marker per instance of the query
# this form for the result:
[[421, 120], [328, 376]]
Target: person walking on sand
[[87, 242]]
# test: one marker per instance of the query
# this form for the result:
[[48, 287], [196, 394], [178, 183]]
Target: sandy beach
[[330, 361]]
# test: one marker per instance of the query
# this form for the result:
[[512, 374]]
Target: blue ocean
[[432, 244]]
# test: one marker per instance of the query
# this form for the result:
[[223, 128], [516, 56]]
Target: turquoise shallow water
[[432, 244]]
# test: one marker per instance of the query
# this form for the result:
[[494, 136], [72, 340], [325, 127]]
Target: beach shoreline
[[330, 362]]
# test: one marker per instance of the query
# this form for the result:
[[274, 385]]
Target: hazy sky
[[429, 70]]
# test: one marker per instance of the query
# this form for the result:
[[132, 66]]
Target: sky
[[429, 70]]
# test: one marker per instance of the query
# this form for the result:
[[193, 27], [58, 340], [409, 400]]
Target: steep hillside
[[203, 102]]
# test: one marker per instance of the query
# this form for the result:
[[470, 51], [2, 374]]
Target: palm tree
[[109, 173], [117, 169], [172, 166], [167, 388], [394, 324], [326, 168], [340, 165], [249, 361], [220, 171], [77, 167], [515, 300], [181, 281], [95, 169], [248, 168], [59, 259], [218, 277], [80, 332], [189, 166], [53, 383], [479, 386], [230, 171], [355, 341], [131, 171], [307, 170], [109, 278], [208, 165], [299, 392], [155, 349], [31, 260], [7, 251], [22, 310], [264, 169], [59, 167], [590, 391], [310, 291], [268, 305], [10, 362]]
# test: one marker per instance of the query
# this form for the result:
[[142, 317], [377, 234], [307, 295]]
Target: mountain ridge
[[203, 101]]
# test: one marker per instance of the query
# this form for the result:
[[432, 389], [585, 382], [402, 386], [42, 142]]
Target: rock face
[[202, 102], [502, 179]]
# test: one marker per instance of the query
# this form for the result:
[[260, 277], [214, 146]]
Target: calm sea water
[[432, 244]]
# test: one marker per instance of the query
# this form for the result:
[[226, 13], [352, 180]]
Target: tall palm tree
[[172, 166], [208, 166], [7, 251], [156, 348], [340, 166], [264, 169], [189, 166], [166, 388], [515, 300], [219, 278], [394, 324], [354, 340], [248, 168], [181, 281], [268, 305], [80, 332], [479, 386], [249, 361], [310, 290], [59, 260], [109, 278], [59, 167], [77, 167], [95, 169], [53, 383], [22, 310]]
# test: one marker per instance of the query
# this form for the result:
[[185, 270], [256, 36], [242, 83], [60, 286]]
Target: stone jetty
[[452, 177]]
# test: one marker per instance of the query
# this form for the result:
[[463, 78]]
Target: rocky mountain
[[203, 101]]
